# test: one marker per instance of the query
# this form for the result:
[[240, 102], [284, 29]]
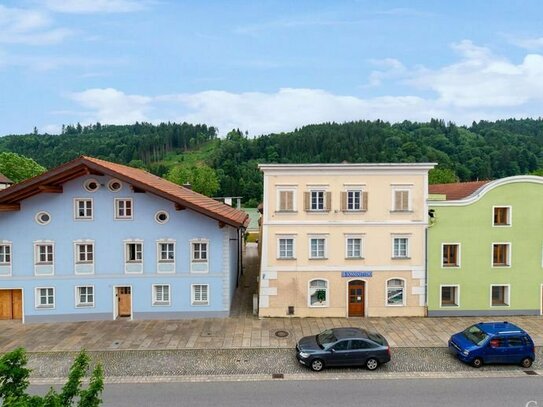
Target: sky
[[267, 66]]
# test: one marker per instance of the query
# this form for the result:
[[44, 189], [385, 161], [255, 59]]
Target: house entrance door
[[357, 294], [124, 301], [11, 304]]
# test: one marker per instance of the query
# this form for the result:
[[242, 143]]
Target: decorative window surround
[[501, 255], [84, 256], [44, 258], [199, 294], [161, 295], [165, 256], [449, 296], [500, 295], [43, 218], [402, 198], [199, 256], [114, 185], [502, 216], [395, 292], [5, 258], [91, 185], [286, 199], [84, 296], [44, 298], [286, 247], [354, 247], [317, 247], [133, 256], [83, 209], [450, 255], [317, 295], [400, 247], [124, 209]]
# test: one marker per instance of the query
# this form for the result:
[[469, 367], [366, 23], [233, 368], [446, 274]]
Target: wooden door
[[11, 304], [124, 301], [356, 298]]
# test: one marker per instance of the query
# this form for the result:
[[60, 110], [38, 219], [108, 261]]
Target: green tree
[[441, 176], [202, 178], [14, 383], [18, 168]]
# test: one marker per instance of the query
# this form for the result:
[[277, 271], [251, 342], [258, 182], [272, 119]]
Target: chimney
[[188, 186]]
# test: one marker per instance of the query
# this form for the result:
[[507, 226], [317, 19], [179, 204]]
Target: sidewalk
[[241, 330]]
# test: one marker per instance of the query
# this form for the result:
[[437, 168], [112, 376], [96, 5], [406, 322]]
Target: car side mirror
[[332, 350]]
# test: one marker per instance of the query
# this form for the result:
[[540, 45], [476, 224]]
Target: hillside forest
[[227, 166]]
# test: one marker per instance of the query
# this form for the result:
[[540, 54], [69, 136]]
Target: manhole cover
[[530, 373], [281, 334]]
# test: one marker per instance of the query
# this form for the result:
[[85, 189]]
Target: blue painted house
[[94, 240]]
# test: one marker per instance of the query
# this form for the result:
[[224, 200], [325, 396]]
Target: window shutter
[[344, 201], [397, 200], [405, 200], [364, 201], [283, 200], [290, 200], [328, 204], [307, 200]]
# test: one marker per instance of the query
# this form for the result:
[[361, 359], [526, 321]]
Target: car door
[[339, 353], [361, 350], [516, 349], [496, 350]]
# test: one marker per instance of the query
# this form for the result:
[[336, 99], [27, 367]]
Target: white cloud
[[31, 27], [528, 43], [96, 6]]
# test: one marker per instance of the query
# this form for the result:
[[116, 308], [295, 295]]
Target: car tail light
[[388, 350]]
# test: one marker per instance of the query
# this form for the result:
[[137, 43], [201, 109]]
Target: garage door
[[11, 304]]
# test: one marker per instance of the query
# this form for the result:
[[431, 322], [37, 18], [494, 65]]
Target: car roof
[[500, 328], [349, 333]]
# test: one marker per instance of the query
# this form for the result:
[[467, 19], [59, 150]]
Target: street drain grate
[[116, 343], [531, 373], [281, 334], [278, 376]]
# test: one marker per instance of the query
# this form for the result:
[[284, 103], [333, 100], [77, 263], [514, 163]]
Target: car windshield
[[326, 338], [474, 334]]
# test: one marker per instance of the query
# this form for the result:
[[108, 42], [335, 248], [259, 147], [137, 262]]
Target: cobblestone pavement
[[238, 364]]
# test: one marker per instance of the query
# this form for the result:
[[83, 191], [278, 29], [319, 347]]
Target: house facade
[[4, 181], [93, 240], [485, 248], [343, 240]]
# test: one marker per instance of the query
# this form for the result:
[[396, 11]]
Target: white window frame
[[408, 247], [458, 255], [509, 216], [111, 182], [317, 191], [402, 188], [37, 297], [293, 191], [194, 260], [360, 193], [324, 248], [78, 303], [286, 237], [76, 209], [507, 295], [9, 246], [162, 303], [404, 291], [37, 254], [126, 244], [310, 291], [457, 296], [77, 245], [200, 303], [38, 215], [352, 237], [88, 181], [116, 209], [509, 255]]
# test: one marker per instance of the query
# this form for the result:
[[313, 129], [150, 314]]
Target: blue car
[[493, 342]]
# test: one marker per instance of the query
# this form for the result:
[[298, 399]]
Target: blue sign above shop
[[356, 273]]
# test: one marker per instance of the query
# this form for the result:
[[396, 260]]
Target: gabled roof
[[457, 190], [4, 179], [51, 181]]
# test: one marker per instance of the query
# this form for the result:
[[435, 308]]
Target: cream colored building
[[343, 240]]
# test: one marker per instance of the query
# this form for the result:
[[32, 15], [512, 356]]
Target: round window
[[91, 185], [162, 217], [43, 218], [114, 185]]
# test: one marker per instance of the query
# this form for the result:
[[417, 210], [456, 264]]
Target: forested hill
[[486, 150]]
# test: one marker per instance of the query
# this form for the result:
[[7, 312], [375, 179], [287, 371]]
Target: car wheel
[[317, 365], [477, 362], [526, 363], [372, 363]]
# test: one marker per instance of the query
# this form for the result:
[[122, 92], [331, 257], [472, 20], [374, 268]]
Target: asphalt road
[[481, 392]]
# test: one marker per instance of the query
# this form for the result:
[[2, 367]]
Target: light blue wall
[[109, 235]]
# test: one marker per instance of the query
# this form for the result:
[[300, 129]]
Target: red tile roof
[[458, 190], [140, 179], [4, 179]]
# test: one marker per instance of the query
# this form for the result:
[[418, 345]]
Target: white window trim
[[76, 210], [508, 297], [111, 181], [509, 216], [10, 263], [324, 191], [361, 237], [325, 254], [294, 191], [156, 303], [279, 237], [200, 303], [42, 213], [509, 255], [408, 254], [115, 209], [361, 200], [159, 213], [409, 190], [76, 255], [404, 292], [158, 253], [78, 304], [193, 261], [126, 261], [325, 304], [459, 255], [36, 257], [457, 296], [88, 181], [37, 304]]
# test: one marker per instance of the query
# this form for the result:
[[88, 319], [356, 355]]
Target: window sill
[[318, 258], [45, 307], [347, 211], [321, 211], [401, 211], [449, 305], [161, 304], [395, 305], [453, 266], [166, 261], [286, 258], [501, 266], [134, 262], [355, 258], [286, 211], [86, 219], [500, 305], [200, 304], [505, 225], [318, 305], [84, 306], [401, 258]]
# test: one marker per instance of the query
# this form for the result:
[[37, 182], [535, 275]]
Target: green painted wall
[[472, 227]]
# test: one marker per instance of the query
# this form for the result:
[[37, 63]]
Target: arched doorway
[[357, 298]]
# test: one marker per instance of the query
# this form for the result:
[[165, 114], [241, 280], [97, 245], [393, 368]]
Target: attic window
[[162, 217], [114, 185], [91, 185], [43, 218]]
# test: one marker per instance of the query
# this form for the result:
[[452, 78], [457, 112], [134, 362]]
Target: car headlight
[[465, 353], [304, 355]]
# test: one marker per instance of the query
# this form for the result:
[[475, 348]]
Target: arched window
[[395, 292], [318, 293]]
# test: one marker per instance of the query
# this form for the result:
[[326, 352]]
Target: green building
[[485, 248]]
